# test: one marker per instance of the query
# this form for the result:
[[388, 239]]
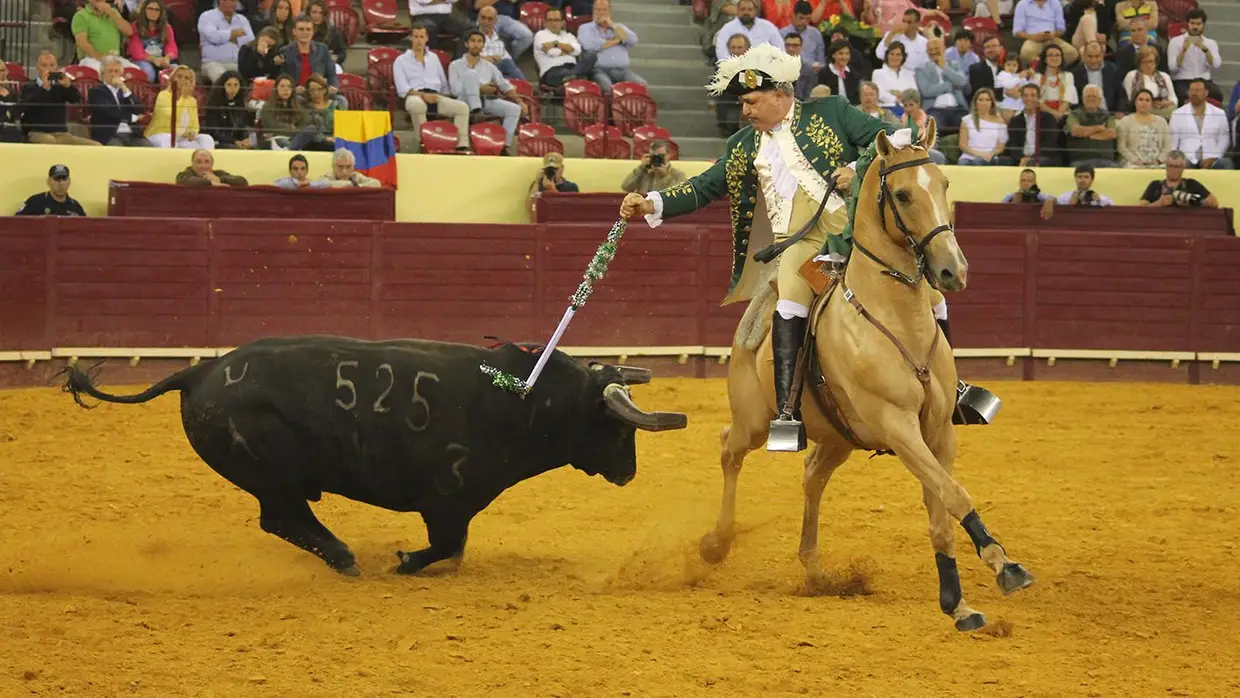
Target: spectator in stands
[[551, 177], [813, 50], [961, 53], [915, 115], [114, 111], [202, 173], [983, 133], [421, 83], [228, 120], [868, 93], [97, 31], [1039, 23], [1191, 55], [10, 131], [1144, 138], [56, 200], [439, 15], [728, 107], [327, 34], [1090, 131], [748, 23], [892, 15], [838, 74], [494, 51], [152, 45], [1029, 193], [1033, 135], [1084, 194], [820, 92], [320, 129], [983, 73], [1129, 12], [994, 9], [1009, 83], [1128, 55], [809, 77], [611, 41], [894, 79], [343, 173], [1176, 189], [305, 57], [909, 38], [509, 25], [943, 83], [1147, 77], [1087, 21], [44, 105], [1200, 130], [1094, 70], [654, 173], [161, 127], [223, 31], [299, 175], [721, 12], [279, 16], [558, 54], [1059, 95], [860, 60], [283, 122], [479, 84], [260, 59]]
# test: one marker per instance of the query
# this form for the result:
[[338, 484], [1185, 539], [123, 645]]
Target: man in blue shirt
[[1039, 23], [611, 42]]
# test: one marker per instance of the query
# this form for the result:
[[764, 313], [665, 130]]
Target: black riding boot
[[947, 329], [786, 335]]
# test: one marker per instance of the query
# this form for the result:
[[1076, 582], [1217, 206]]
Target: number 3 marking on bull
[[419, 400], [379, 406], [342, 382]]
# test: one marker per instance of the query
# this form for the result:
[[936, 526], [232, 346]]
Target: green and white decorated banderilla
[[594, 272]]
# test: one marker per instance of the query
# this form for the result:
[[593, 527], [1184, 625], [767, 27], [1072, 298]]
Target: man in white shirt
[[1084, 194], [478, 83], [421, 83], [1200, 130], [1191, 55], [911, 38], [494, 50], [558, 53], [747, 22]]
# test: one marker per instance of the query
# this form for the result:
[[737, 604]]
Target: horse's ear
[[882, 145], [930, 135]]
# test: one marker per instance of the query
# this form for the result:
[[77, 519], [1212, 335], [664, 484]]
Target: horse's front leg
[[943, 539], [820, 463]]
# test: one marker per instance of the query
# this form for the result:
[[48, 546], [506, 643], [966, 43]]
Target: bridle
[[885, 199]]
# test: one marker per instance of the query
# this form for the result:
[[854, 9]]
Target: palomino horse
[[881, 378]]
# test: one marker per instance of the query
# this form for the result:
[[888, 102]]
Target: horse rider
[[777, 173]]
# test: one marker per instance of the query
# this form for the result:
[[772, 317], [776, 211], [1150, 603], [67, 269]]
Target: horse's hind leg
[[734, 446], [904, 437], [820, 463]]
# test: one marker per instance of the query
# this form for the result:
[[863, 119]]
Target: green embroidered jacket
[[830, 132]]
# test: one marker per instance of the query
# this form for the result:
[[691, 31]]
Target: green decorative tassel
[[598, 266]]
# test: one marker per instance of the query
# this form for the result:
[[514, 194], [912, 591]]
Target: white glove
[[902, 138]]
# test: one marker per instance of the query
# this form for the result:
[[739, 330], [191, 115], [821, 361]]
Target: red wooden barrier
[[155, 200], [159, 282], [604, 208], [1025, 218]]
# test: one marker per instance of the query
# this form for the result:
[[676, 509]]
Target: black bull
[[406, 425]]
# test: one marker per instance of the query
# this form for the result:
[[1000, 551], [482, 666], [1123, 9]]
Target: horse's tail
[[756, 321], [79, 382]]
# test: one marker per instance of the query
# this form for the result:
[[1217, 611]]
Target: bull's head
[[610, 448]]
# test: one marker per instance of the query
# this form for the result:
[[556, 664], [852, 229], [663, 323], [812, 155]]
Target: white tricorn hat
[[763, 67]]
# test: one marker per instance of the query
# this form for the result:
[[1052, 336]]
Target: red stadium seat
[[631, 106], [606, 142], [162, 77], [982, 28], [534, 14], [584, 105], [539, 147], [146, 92], [525, 91], [444, 57], [345, 20], [183, 16], [535, 130], [379, 75], [1173, 12], [133, 76], [944, 24], [488, 138], [16, 72], [353, 87], [379, 18], [643, 136], [1176, 28], [572, 22], [260, 89], [439, 137], [81, 72]]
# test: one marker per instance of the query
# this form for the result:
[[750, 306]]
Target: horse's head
[[912, 196]]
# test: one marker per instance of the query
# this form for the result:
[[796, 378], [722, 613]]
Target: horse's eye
[[902, 197]]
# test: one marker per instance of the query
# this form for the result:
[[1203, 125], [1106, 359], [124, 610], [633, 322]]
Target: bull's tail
[[79, 382]]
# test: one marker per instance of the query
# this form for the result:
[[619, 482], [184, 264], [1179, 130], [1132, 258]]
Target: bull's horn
[[622, 407], [634, 375]]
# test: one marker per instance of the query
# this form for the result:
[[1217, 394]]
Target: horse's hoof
[[1013, 577], [971, 622], [713, 548]]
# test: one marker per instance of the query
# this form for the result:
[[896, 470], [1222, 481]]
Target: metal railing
[[17, 32]]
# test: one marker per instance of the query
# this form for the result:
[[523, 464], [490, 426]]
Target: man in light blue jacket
[[222, 32], [611, 42], [941, 84]]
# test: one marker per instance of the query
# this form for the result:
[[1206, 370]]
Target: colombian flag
[[368, 134]]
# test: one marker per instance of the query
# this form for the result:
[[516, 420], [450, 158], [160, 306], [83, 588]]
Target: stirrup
[[975, 405], [787, 435]]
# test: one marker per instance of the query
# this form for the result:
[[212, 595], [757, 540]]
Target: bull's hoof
[[714, 548], [1013, 577], [971, 622], [410, 563], [350, 571]]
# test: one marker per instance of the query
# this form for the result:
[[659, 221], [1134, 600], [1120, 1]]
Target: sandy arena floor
[[128, 567]]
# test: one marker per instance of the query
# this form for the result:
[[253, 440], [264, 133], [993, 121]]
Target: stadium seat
[[1173, 12], [439, 137], [353, 87], [539, 147], [16, 72], [944, 24], [341, 15], [162, 77], [573, 22], [701, 10], [183, 16], [526, 92], [487, 138], [606, 142], [379, 18], [444, 57], [133, 76], [584, 105], [631, 106], [535, 130], [982, 28], [643, 136], [1175, 29], [81, 72], [534, 14], [260, 89], [145, 92], [379, 75]]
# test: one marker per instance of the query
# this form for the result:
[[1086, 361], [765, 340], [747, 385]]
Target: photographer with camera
[[1029, 193], [1083, 195], [654, 173], [1176, 189], [44, 105], [551, 177]]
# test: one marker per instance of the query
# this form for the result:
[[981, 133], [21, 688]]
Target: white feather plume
[[782, 68]]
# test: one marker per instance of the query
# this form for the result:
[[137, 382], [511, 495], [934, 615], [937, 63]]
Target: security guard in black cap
[[56, 200]]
